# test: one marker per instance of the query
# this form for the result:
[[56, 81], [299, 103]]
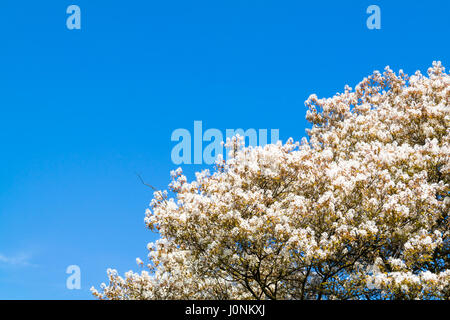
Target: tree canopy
[[358, 209]]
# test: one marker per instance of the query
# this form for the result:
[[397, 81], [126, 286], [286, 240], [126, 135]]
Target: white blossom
[[358, 209]]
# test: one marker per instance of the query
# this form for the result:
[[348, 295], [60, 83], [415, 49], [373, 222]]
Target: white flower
[[362, 185]]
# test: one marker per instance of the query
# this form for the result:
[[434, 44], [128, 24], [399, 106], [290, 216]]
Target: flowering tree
[[359, 210]]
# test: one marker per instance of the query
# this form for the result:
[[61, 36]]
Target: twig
[[145, 184]]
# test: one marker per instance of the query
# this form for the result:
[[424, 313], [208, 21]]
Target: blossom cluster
[[357, 210]]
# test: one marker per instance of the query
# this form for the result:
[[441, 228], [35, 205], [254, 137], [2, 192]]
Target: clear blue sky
[[83, 110]]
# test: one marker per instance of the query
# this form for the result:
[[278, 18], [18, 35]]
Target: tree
[[359, 210]]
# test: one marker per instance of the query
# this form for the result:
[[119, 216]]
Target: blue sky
[[83, 110]]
